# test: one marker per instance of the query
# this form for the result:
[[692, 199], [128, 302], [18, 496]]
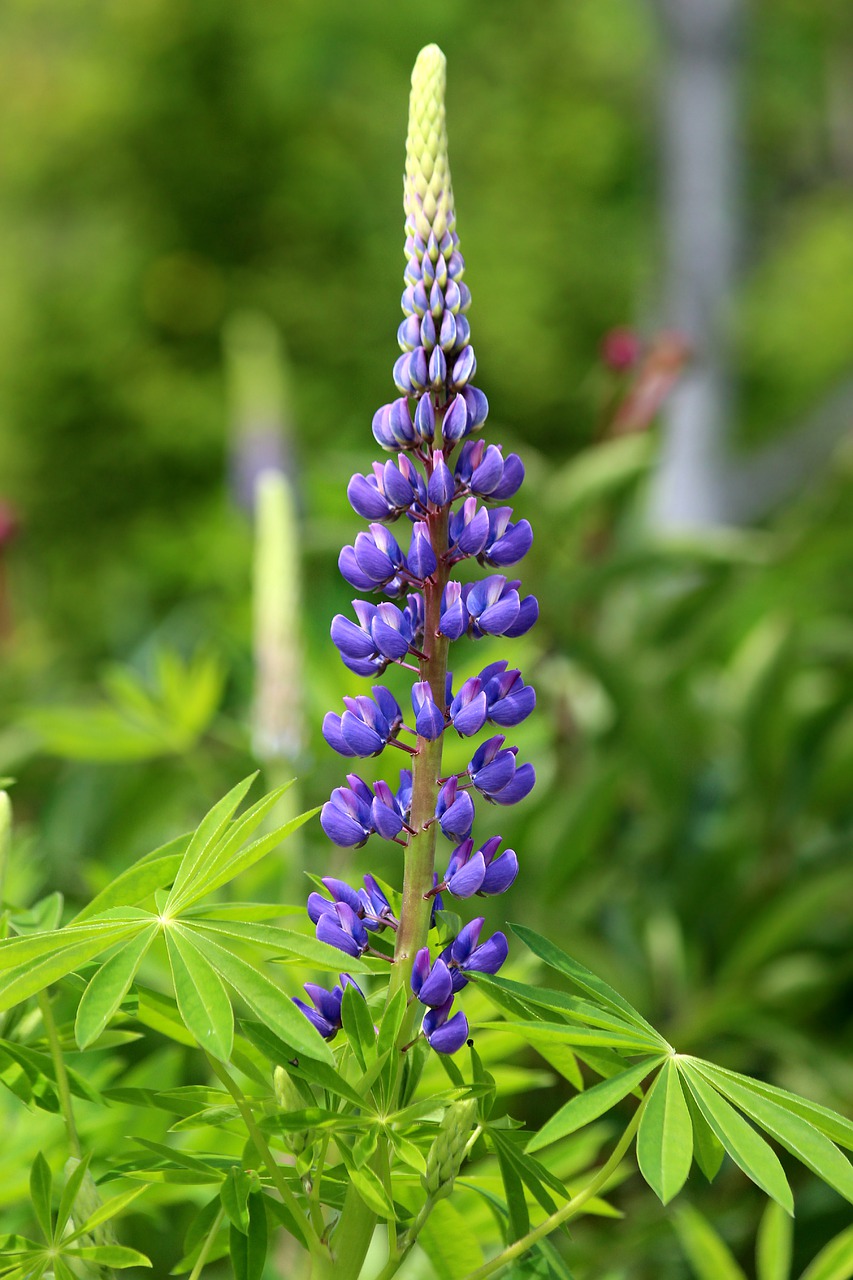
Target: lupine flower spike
[[451, 487]]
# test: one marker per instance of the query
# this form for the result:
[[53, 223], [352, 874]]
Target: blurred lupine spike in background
[[261, 425]]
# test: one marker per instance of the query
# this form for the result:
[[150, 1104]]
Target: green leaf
[[249, 1250], [358, 1025], [392, 1020], [757, 1160], [563, 1033], [665, 1136], [109, 986], [835, 1262], [234, 1194], [285, 941], [41, 1185], [519, 1218], [319, 1073], [709, 1257], [572, 1007], [267, 1001], [449, 1243], [110, 1255], [835, 1126], [204, 840], [202, 1000], [156, 870], [707, 1148], [110, 1209], [593, 986], [802, 1139], [534, 1175], [591, 1104], [369, 1186], [773, 1246], [69, 1194], [228, 864]]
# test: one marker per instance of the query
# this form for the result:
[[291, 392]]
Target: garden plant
[[352, 1128]]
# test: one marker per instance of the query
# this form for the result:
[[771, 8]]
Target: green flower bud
[[288, 1098], [427, 189], [445, 1156]]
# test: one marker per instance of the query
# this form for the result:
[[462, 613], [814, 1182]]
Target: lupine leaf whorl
[[427, 189]]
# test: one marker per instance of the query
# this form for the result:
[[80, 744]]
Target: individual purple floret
[[481, 872], [326, 1014], [373, 562], [482, 470], [454, 810], [429, 719], [369, 904], [493, 772], [443, 1034], [346, 817], [506, 543], [465, 956], [394, 489], [365, 726], [382, 635], [342, 928], [432, 985]]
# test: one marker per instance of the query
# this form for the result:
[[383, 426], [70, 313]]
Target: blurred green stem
[[62, 1086], [207, 1246], [262, 1147]]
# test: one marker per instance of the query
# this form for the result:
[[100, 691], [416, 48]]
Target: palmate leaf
[[572, 1007], [591, 1104], [287, 943], [748, 1150], [811, 1147], [665, 1136], [41, 1187]]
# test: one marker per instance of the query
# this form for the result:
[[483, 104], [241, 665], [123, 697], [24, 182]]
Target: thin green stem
[[396, 1261], [207, 1246], [62, 1086], [569, 1210], [262, 1147]]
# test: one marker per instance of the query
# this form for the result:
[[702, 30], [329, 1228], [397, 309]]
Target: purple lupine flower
[[374, 561], [506, 543], [346, 817], [454, 810], [482, 872], [375, 910], [469, 530], [394, 488], [464, 955], [340, 891], [429, 718], [432, 984], [436, 488], [421, 558], [364, 728], [482, 470], [342, 928], [445, 1034], [326, 1014]]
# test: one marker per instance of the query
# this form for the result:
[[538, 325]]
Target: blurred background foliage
[[167, 165]]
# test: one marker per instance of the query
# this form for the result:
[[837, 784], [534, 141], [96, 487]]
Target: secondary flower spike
[[447, 488]]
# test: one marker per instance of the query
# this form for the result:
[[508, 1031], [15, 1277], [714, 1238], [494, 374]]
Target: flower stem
[[569, 1210], [262, 1147], [62, 1086]]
